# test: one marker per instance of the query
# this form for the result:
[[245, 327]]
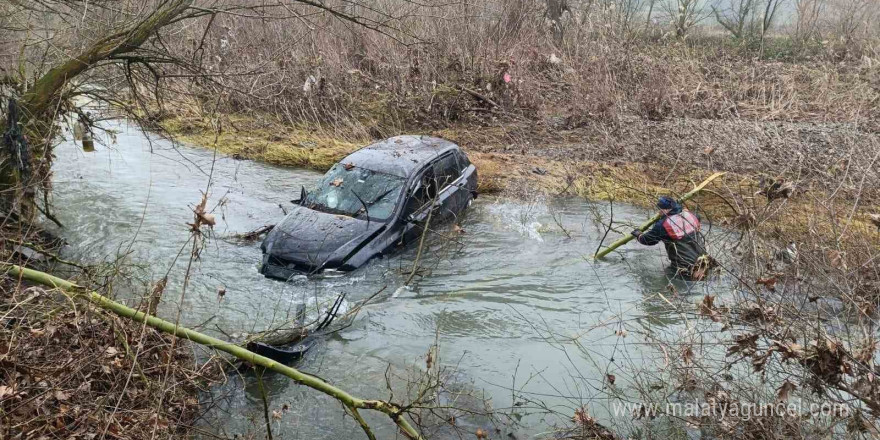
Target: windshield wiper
[[380, 196], [366, 210]]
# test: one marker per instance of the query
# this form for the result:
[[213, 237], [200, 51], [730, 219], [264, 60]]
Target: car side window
[[462, 160], [424, 193], [446, 170]]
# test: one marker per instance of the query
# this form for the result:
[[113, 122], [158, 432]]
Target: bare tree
[[741, 18], [555, 10], [685, 14], [736, 17], [808, 14]]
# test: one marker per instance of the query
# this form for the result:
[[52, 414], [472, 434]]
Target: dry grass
[[68, 370]]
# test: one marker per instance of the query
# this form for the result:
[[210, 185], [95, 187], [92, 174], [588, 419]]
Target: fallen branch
[[481, 97], [255, 234], [394, 412], [625, 239]]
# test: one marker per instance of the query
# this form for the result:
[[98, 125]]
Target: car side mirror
[[302, 196]]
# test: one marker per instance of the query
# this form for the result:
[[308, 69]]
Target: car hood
[[310, 238]]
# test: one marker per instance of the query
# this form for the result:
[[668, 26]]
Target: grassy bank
[[641, 161]]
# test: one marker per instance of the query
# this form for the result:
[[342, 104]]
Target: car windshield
[[339, 190]]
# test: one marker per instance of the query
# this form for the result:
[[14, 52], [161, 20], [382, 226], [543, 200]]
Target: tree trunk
[[39, 101]]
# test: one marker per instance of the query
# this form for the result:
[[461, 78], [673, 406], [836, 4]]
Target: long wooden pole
[[625, 239], [353, 403]]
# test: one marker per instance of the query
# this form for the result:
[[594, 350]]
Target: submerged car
[[371, 202]]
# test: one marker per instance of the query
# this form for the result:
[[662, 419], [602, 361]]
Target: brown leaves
[[745, 344], [457, 229], [201, 216], [687, 355], [774, 189], [611, 378], [348, 166], [788, 349], [707, 308], [769, 283], [865, 352], [827, 359], [481, 434], [582, 417], [784, 390], [836, 259], [336, 182], [429, 359]]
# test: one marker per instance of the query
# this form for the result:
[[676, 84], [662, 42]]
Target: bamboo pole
[[353, 403], [625, 239]]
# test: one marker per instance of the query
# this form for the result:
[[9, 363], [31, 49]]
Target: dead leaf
[[348, 167], [788, 350], [429, 359], [622, 333], [774, 189], [687, 355], [481, 434], [276, 414], [208, 219], [111, 351], [337, 182], [769, 283], [582, 417], [836, 259], [707, 308], [745, 344], [457, 228], [221, 292], [5, 391], [611, 378], [708, 150], [784, 390], [61, 396]]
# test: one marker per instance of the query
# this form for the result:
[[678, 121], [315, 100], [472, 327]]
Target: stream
[[491, 298]]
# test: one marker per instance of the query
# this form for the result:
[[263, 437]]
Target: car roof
[[399, 155]]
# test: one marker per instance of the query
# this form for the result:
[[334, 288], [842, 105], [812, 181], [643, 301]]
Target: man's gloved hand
[[636, 233]]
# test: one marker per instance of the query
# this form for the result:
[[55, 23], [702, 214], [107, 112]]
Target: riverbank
[[71, 370], [827, 165]]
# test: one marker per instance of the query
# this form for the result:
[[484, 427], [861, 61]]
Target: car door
[[418, 205], [447, 173]]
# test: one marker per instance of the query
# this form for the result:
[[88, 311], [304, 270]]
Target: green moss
[[263, 141]]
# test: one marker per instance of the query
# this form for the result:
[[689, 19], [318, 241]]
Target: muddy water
[[500, 302]]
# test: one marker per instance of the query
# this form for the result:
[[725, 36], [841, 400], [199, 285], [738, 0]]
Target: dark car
[[373, 201]]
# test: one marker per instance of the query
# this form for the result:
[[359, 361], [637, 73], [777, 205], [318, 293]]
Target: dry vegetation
[[71, 370], [597, 99]]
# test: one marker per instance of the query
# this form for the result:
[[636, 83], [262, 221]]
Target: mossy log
[[351, 403]]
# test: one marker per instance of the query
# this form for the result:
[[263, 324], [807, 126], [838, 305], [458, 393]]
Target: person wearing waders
[[679, 230]]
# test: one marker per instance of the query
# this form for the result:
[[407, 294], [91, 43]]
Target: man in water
[[679, 230]]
